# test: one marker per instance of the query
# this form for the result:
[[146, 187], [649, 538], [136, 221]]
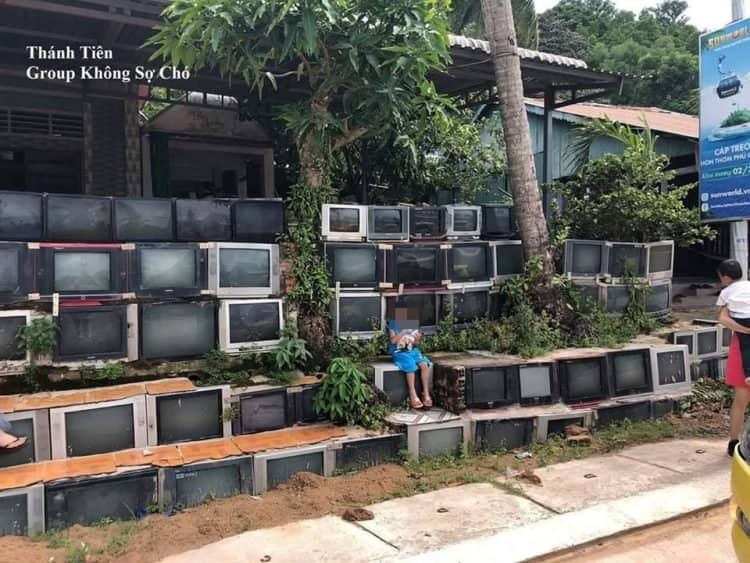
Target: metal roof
[[481, 45]]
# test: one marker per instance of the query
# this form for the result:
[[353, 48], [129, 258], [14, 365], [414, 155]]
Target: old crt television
[[466, 306], [660, 260], [357, 315], [96, 428], [176, 330], [243, 270], [271, 469], [258, 220], [438, 439], [75, 218], [387, 222], [592, 291], [626, 258], [427, 223], [671, 368], [16, 272], [463, 221], [469, 263], [188, 416], [124, 495], [508, 259], [143, 219], [415, 265], [12, 357], [630, 372], [360, 453], [498, 221], [203, 220], [707, 342], [344, 222], [725, 337], [616, 297], [82, 269], [195, 483], [491, 386], [22, 511], [97, 333], [354, 266], [304, 404], [253, 324], [264, 410], [168, 270], [684, 338], [537, 384], [503, 435], [637, 411], [585, 258], [34, 426], [548, 425], [21, 216], [392, 381], [424, 305], [707, 368], [583, 380]]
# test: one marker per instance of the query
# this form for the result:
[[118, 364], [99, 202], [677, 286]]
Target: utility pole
[[738, 231]]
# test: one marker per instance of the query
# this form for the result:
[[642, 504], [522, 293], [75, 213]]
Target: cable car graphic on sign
[[730, 84]]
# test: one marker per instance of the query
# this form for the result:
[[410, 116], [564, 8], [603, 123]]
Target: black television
[[305, 406], [193, 484], [630, 372], [203, 220], [75, 218], [354, 266], [10, 327], [498, 221], [659, 299], [504, 435], [88, 500], [188, 417], [537, 384], [280, 469], [16, 272], [387, 222], [169, 270], [177, 330], [427, 223], [492, 386], [360, 453], [265, 410], [466, 307], [21, 216], [633, 412], [469, 262], [258, 220], [82, 269], [424, 305], [627, 259], [509, 259], [92, 333], [357, 315], [583, 380], [617, 298], [415, 265], [143, 219]]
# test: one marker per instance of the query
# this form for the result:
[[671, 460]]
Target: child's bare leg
[[424, 371], [6, 439], [414, 401]]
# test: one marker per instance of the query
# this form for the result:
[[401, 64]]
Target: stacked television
[[708, 345]]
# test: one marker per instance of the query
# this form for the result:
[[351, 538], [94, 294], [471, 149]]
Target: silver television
[[243, 269], [252, 324], [344, 222]]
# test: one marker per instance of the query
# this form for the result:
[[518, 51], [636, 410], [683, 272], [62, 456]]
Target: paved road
[[700, 538]]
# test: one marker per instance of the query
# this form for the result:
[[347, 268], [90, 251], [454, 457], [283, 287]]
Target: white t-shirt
[[736, 298]]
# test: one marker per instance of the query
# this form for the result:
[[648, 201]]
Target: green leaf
[[309, 28]]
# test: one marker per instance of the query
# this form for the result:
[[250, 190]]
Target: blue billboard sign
[[725, 123]]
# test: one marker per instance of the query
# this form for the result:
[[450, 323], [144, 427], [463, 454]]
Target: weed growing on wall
[[39, 337]]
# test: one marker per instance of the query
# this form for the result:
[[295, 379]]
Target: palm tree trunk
[[498, 21]]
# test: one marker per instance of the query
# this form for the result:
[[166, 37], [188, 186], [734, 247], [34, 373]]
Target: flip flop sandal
[[14, 445], [427, 404], [417, 404]]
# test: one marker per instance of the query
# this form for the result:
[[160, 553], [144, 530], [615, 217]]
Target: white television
[[22, 511], [358, 315], [670, 368], [437, 439], [554, 424], [344, 223], [463, 221], [272, 468], [660, 260], [252, 324], [243, 269], [659, 298]]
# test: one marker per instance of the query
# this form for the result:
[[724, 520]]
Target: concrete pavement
[[577, 502]]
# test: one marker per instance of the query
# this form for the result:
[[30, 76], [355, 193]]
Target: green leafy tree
[[466, 18]]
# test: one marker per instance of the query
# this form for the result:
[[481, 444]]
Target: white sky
[[706, 15]]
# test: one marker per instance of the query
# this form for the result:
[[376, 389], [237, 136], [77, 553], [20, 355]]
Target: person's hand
[[417, 336]]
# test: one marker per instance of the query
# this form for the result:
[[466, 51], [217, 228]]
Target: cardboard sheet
[[287, 438], [208, 449]]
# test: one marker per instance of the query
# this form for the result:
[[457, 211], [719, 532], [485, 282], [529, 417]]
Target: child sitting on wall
[[404, 336]]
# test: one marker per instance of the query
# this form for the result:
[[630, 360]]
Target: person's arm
[[396, 337], [728, 322]]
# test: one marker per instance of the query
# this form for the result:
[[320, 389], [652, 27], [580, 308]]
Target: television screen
[[510, 261], [368, 452], [9, 348], [726, 337], [470, 306], [657, 298], [14, 515], [99, 430], [590, 292], [79, 218], [10, 274], [584, 379], [707, 343], [633, 412], [280, 470], [344, 220], [417, 265], [258, 220], [143, 220], [426, 222], [308, 413], [81, 272], [488, 385], [359, 314], [244, 267], [422, 304], [660, 259], [196, 485], [92, 333], [504, 435], [88, 501], [174, 330], [498, 220], [387, 220], [21, 216], [469, 263], [394, 387], [203, 220], [465, 220], [535, 382], [618, 297], [186, 417], [353, 265], [25, 454], [671, 367], [630, 371], [441, 441], [254, 322], [707, 369], [557, 427], [167, 268], [263, 411], [586, 259], [685, 340], [626, 260]]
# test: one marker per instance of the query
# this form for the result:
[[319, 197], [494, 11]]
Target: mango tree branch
[[349, 136]]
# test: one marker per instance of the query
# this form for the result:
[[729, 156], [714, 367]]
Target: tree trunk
[[498, 21]]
